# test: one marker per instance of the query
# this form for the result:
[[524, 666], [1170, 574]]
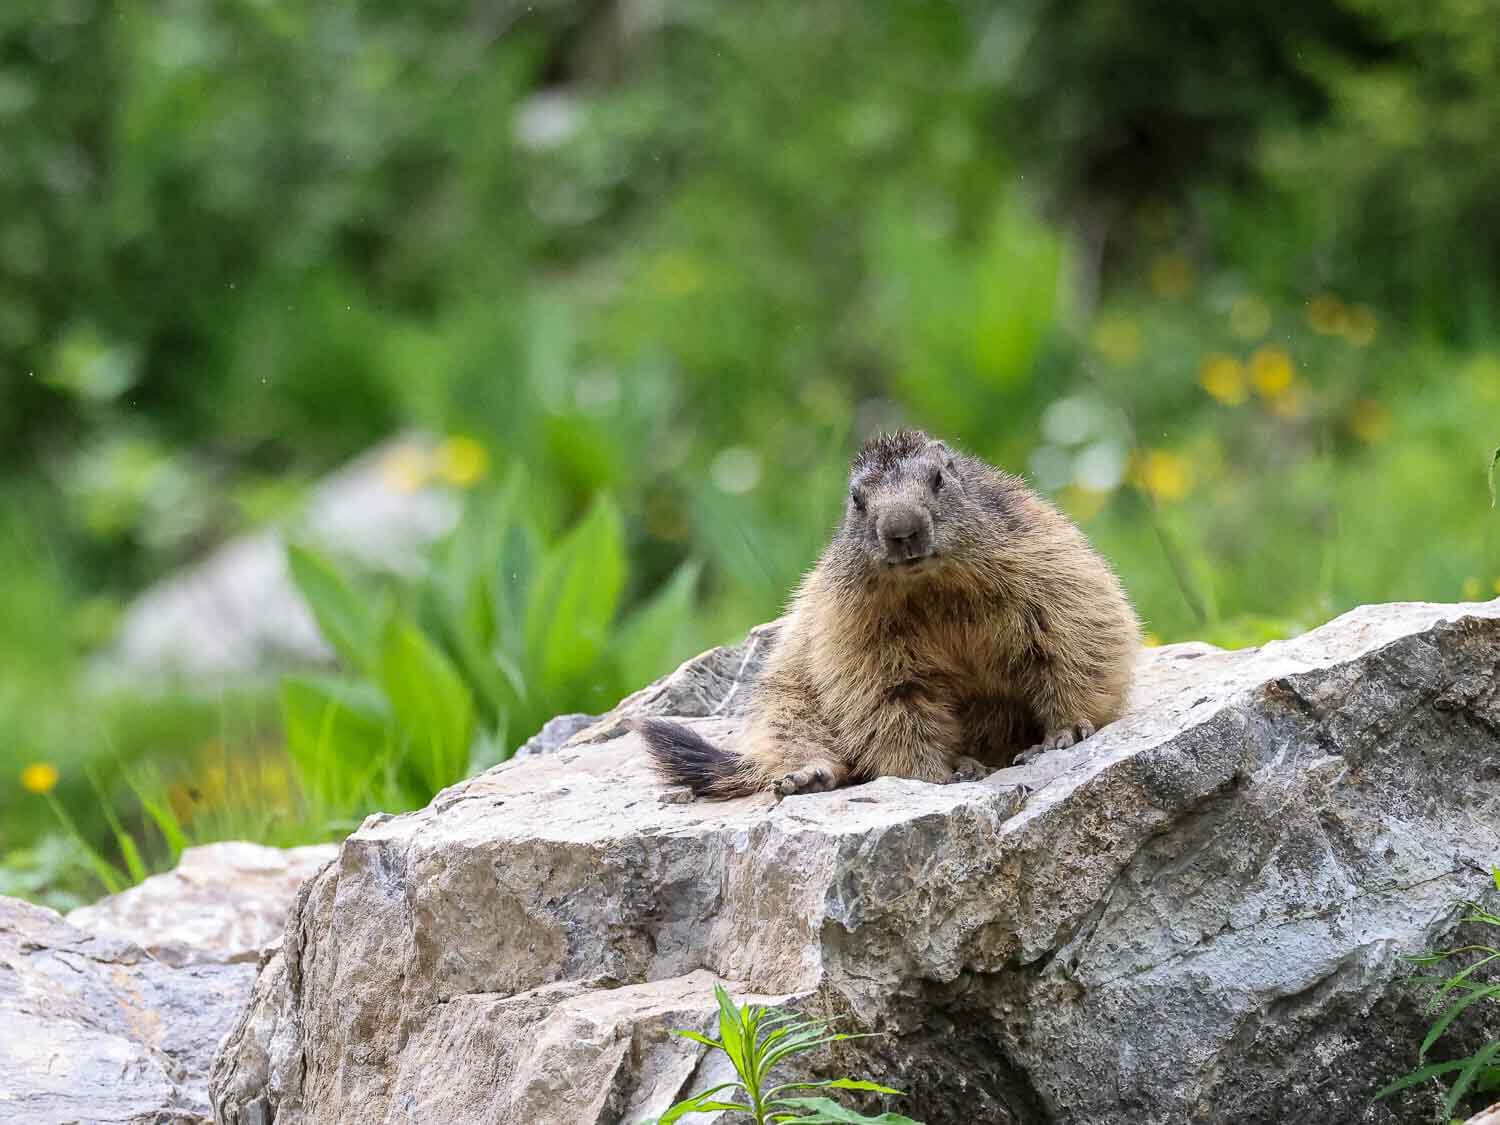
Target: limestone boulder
[[97, 1030], [222, 902], [113, 1015], [1197, 915]]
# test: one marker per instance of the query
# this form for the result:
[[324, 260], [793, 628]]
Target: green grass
[[1472, 984]]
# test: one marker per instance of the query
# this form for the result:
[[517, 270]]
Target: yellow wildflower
[[1249, 318], [405, 468], [1165, 475], [1150, 639], [1496, 587], [1223, 376], [39, 777], [1326, 314], [1171, 276], [1271, 371], [1472, 589], [461, 461], [1117, 339], [1360, 326], [1369, 420]]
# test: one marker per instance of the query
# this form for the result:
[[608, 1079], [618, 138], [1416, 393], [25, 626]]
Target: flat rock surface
[[97, 1030], [1198, 915], [113, 1014], [222, 902]]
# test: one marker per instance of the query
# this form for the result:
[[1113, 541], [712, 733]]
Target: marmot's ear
[[940, 449]]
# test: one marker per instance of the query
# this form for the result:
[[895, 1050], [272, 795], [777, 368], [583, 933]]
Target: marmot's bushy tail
[[684, 757]]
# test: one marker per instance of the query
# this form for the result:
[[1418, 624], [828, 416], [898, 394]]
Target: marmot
[[956, 616]]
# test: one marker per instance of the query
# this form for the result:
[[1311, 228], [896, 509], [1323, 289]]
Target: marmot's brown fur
[[955, 616]]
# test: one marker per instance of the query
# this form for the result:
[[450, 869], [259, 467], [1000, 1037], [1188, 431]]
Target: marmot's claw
[[1056, 740], [968, 769]]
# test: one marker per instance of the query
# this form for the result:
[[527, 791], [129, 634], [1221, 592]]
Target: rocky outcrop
[[1198, 915], [222, 902], [114, 1015]]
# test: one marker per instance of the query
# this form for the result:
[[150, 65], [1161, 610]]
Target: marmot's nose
[[906, 534]]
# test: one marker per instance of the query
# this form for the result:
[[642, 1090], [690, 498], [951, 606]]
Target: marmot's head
[[907, 510]]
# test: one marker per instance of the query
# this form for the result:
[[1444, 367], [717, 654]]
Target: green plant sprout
[[1481, 1070], [756, 1039]]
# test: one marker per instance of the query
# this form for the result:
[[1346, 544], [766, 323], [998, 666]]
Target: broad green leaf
[[508, 576], [700, 1102], [574, 597], [731, 1036], [494, 691], [492, 536], [348, 623], [432, 703], [826, 1111], [650, 640], [836, 1084]]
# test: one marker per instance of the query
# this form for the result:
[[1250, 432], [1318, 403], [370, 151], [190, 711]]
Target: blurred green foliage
[[1223, 285], [448, 673]]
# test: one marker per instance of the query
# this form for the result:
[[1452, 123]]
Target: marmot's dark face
[[896, 519]]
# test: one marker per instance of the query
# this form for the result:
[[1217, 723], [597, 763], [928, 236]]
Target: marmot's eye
[[857, 500], [937, 480]]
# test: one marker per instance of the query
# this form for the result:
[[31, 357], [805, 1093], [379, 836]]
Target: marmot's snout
[[905, 531]]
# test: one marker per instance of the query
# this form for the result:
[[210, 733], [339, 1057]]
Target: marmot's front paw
[[968, 769], [1057, 740], [815, 777]]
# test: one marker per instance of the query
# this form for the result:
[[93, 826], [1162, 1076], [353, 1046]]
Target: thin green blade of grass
[[112, 877], [125, 841], [1476, 1063], [1451, 1013]]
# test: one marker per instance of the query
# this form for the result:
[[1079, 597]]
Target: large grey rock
[[94, 1029], [222, 902], [237, 612], [1196, 916], [114, 1014]]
